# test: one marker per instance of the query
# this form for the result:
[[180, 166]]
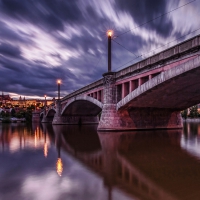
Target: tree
[[19, 115], [184, 114], [193, 111], [13, 112], [28, 116], [3, 113]]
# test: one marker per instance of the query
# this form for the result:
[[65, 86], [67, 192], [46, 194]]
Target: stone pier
[[36, 116], [46, 119], [57, 117], [111, 119]]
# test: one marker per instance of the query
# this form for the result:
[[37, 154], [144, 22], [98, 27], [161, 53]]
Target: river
[[45, 162]]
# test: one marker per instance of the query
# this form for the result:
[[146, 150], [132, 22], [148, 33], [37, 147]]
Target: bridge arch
[[41, 116], [51, 112], [176, 88], [82, 106]]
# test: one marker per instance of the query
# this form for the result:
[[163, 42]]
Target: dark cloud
[[10, 50], [66, 10], [48, 14], [28, 78], [7, 33], [144, 11], [78, 28]]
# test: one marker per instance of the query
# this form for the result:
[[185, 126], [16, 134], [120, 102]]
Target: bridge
[[146, 95]]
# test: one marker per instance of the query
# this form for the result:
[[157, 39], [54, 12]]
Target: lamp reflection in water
[[59, 167], [59, 164], [45, 145], [45, 150]]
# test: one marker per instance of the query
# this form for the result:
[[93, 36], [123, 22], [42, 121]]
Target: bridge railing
[[51, 106], [175, 51], [84, 89]]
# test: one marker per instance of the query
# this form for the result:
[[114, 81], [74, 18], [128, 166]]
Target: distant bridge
[[147, 95]]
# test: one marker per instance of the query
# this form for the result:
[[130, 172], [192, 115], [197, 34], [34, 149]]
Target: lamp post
[[58, 82], [109, 33], [45, 103]]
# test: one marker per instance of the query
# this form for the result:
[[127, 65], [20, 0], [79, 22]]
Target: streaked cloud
[[41, 41]]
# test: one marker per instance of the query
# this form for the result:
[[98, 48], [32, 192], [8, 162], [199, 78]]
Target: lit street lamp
[[58, 82], [109, 33]]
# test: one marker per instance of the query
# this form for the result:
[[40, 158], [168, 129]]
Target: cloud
[[9, 50], [49, 15], [8, 34], [144, 11], [41, 41]]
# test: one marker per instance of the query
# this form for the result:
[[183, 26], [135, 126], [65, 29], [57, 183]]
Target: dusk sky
[[45, 40]]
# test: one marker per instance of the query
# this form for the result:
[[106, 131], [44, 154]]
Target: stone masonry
[[111, 119]]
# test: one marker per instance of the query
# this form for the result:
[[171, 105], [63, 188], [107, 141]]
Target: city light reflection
[[59, 167], [45, 149]]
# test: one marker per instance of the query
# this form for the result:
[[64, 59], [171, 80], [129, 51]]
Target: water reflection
[[190, 140], [18, 136], [75, 162], [145, 165]]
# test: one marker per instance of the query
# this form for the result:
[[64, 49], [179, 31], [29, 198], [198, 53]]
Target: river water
[[45, 162]]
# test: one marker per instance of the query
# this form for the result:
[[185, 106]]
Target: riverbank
[[191, 120], [12, 120]]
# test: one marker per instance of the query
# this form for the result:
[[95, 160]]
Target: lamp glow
[[58, 82], [109, 32], [45, 149], [59, 166]]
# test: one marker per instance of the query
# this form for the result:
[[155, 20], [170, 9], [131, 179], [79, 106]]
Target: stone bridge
[[147, 95]]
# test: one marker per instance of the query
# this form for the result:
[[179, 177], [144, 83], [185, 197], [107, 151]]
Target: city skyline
[[43, 41]]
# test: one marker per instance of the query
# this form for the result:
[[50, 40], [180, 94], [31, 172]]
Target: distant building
[[7, 101], [5, 98]]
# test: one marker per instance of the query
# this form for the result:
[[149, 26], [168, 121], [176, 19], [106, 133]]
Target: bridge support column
[[35, 116], [57, 117], [155, 118], [47, 119], [111, 119]]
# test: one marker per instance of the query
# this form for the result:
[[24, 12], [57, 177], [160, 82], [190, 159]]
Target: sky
[[42, 41]]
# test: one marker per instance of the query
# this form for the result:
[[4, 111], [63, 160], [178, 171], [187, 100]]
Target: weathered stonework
[[57, 117], [155, 118], [111, 119], [35, 116], [47, 119]]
